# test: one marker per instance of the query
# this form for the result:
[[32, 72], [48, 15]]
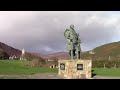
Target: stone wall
[[75, 69]]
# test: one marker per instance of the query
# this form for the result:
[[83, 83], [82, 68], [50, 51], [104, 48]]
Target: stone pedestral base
[[75, 69]]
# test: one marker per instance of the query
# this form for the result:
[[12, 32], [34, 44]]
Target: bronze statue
[[73, 42]]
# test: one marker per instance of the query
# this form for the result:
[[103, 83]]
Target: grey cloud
[[43, 31]]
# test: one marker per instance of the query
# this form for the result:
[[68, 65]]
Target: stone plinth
[[75, 69]]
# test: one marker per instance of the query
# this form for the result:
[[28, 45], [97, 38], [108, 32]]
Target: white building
[[12, 57]]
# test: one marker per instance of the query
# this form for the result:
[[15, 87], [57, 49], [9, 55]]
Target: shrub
[[3, 55], [37, 62]]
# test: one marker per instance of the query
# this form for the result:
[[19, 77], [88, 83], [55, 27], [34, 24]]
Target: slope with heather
[[107, 51]]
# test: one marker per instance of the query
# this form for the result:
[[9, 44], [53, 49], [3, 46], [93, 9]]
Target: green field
[[19, 67], [107, 71]]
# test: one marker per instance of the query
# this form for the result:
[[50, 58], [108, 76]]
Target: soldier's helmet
[[72, 26]]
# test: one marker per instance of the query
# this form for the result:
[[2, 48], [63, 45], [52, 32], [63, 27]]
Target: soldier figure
[[73, 42]]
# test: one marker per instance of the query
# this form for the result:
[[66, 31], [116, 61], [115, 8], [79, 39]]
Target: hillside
[[12, 51], [110, 50], [9, 50]]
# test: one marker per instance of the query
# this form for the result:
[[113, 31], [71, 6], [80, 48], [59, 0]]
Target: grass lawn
[[14, 67], [19, 67], [107, 71]]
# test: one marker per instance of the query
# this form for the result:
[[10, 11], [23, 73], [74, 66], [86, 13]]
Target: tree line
[[113, 63]]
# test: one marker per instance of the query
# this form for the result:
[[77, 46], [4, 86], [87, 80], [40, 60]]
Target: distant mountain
[[40, 55], [60, 55]]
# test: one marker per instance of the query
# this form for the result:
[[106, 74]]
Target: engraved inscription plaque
[[79, 66], [62, 66]]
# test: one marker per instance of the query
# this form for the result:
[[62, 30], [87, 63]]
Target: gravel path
[[47, 76], [34, 76], [105, 77]]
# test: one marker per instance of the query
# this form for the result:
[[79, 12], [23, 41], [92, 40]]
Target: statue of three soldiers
[[73, 42]]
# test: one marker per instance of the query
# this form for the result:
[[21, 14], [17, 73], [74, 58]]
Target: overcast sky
[[43, 31]]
